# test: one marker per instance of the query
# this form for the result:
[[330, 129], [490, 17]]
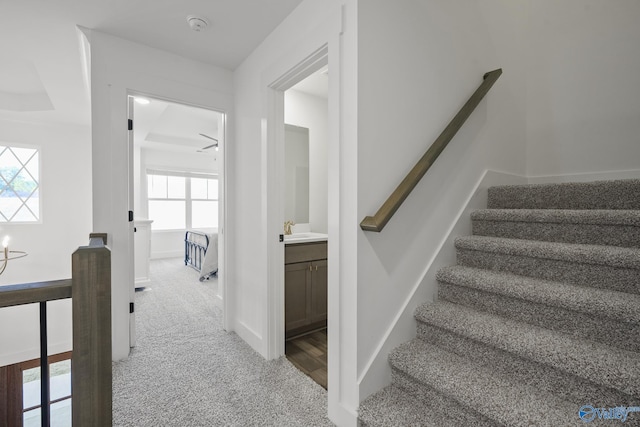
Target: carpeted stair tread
[[392, 406], [491, 394], [605, 303], [602, 364], [569, 216], [596, 227], [611, 256], [562, 384], [616, 194]]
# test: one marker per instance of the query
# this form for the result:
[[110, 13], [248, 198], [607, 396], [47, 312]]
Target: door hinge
[[130, 216], [282, 237], [131, 308], [130, 124]]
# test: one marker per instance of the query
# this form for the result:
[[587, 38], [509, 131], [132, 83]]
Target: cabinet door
[[319, 291], [297, 288]]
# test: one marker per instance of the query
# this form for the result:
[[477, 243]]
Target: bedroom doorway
[[177, 180]]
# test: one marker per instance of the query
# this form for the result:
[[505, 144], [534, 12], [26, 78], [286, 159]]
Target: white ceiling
[[39, 44], [168, 126]]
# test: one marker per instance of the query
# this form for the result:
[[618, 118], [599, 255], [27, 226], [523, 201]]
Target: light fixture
[[141, 101], [7, 254], [197, 23]]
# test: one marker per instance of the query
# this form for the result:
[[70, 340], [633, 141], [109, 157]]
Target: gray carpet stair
[[608, 195], [540, 316], [602, 227]]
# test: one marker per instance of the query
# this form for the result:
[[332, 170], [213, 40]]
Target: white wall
[[117, 67], [311, 112], [65, 162], [583, 87], [418, 64], [256, 225]]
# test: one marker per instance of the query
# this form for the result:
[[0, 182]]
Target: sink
[[305, 237]]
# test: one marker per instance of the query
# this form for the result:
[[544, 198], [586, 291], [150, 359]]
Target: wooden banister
[[91, 360], [393, 202], [29, 293], [90, 290]]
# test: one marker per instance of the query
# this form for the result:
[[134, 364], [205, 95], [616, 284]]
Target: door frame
[[275, 193], [222, 204]]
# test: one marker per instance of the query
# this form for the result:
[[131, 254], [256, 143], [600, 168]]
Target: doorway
[[305, 209], [176, 181]]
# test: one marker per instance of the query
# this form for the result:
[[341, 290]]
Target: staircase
[[539, 318]]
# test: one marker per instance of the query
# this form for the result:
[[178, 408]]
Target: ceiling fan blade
[[207, 136]]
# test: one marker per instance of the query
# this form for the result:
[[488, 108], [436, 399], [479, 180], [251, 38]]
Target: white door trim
[[222, 205], [275, 193]]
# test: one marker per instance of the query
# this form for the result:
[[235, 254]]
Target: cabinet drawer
[[301, 252]]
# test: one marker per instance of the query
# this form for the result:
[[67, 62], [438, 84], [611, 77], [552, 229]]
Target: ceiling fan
[[208, 146]]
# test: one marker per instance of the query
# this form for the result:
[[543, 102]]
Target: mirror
[[296, 160]]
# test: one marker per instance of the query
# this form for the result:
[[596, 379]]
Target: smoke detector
[[197, 23]]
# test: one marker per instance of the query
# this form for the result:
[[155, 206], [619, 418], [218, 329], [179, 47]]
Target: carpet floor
[[187, 371]]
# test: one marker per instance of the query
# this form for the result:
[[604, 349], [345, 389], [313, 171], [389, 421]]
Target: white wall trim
[[402, 328], [340, 415], [166, 254], [586, 176], [120, 68], [250, 336], [275, 193]]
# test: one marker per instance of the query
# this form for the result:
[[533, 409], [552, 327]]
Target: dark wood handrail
[[29, 293], [393, 202]]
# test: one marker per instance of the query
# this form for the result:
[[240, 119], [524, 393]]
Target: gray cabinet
[[305, 287]]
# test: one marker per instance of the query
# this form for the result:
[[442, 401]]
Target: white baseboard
[[167, 254], [376, 373], [585, 177], [251, 337], [340, 415]]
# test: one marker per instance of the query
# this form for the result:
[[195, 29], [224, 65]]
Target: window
[[19, 184], [178, 201], [22, 383]]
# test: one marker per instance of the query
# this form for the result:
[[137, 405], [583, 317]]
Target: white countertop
[[306, 237]]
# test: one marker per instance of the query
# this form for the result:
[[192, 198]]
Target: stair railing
[[90, 291], [393, 202]]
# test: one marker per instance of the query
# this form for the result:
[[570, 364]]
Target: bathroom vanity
[[305, 283]]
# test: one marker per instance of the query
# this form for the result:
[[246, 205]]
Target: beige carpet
[[187, 371]]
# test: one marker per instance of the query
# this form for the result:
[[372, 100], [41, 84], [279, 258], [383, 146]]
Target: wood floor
[[309, 354]]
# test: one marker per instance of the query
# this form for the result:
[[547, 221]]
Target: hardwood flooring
[[309, 354]]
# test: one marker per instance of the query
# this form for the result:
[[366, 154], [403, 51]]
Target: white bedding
[[210, 262]]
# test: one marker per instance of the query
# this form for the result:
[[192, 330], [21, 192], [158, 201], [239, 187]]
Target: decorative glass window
[[20, 398], [60, 392], [179, 201], [19, 184]]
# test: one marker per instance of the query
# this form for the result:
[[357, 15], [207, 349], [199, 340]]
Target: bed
[[201, 252]]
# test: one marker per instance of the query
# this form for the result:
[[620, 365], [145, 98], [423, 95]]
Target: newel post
[[91, 361]]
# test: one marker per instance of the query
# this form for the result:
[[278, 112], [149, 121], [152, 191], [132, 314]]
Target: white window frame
[[38, 149], [187, 199]]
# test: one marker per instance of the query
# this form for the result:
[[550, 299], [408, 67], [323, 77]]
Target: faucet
[[287, 227]]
